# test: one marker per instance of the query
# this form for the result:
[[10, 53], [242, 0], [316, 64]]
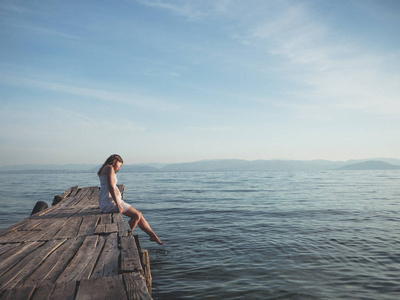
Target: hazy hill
[[263, 165], [392, 161], [223, 165], [370, 165], [138, 168], [256, 165]]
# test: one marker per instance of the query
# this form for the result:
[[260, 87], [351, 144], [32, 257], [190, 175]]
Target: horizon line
[[201, 160]]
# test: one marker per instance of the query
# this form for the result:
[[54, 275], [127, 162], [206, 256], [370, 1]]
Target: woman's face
[[117, 166]]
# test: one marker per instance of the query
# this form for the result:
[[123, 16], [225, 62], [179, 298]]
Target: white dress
[[106, 202]]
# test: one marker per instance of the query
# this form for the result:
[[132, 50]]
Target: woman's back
[[106, 202]]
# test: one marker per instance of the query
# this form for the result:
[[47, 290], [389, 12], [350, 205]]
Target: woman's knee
[[134, 213]]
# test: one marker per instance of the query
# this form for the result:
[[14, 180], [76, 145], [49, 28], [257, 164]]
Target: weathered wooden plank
[[63, 290], [107, 264], [18, 294], [44, 292], [79, 263], [137, 241], [106, 225], [110, 263], [51, 262], [31, 236], [72, 198], [74, 191], [31, 224], [7, 247], [45, 223], [88, 225], [106, 228], [94, 196], [88, 271], [82, 193], [81, 202], [135, 286], [64, 212], [12, 257], [67, 192], [68, 202], [129, 255], [28, 264], [100, 229], [106, 219], [91, 197], [13, 236], [117, 217], [145, 260], [64, 259], [93, 189], [70, 228], [44, 230], [110, 228], [52, 229], [13, 228], [82, 196], [102, 288], [89, 210], [124, 229]]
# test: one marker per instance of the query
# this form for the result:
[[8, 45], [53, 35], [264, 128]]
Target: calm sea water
[[253, 235]]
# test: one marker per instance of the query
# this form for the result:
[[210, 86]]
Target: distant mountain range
[[225, 165], [283, 165], [370, 165]]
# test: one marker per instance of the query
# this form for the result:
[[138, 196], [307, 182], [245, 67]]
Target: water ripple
[[254, 235]]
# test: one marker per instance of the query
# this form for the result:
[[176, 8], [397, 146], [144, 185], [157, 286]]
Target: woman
[[110, 199]]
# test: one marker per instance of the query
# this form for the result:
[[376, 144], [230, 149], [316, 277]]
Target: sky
[[175, 81]]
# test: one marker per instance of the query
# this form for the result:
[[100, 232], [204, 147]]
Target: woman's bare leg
[[146, 228], [138, 219]]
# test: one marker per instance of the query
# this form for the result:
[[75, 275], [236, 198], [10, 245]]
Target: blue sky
[[176, 81]]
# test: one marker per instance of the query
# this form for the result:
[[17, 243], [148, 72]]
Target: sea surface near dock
[[252, 235]]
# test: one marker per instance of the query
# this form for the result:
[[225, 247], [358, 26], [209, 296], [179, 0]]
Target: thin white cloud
[[328, 69], [51, 127], [209, 129], [98, 94], [48, 32], [19, 16], [106, 128], [14, 7], [335, 72], [194, 9], [96, 125]]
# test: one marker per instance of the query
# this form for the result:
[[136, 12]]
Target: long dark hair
[[112, 160]]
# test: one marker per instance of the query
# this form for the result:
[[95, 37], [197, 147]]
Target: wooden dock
[[72, 251]]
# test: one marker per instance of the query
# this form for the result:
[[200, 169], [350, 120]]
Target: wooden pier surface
[[72, 251]]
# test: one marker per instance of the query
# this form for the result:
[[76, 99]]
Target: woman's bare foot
[[157, 240]]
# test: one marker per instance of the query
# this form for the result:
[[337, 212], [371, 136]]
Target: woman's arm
[[111, 186]]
